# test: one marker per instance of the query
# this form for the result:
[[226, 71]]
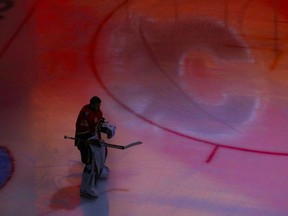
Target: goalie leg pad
[[104, 173], [88, 184]]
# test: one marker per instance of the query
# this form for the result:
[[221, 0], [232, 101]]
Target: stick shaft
[[108, 144]]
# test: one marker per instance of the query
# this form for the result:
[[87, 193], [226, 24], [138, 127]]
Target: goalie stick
[[111, 145]]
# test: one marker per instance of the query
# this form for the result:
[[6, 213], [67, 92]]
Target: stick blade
[[132, 144]]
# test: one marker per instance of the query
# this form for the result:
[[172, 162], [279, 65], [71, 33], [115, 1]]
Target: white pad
[[104, 172], [109, 129], [98, 156]]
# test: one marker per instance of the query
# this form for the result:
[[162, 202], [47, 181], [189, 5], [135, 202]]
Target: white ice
[[203, 84]]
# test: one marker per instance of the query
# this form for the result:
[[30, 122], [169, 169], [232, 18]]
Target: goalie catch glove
[[108, 129]]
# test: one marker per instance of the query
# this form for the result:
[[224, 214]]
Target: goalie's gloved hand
[[101, 121]]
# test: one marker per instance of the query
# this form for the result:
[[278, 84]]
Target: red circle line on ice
[[216, 146]]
